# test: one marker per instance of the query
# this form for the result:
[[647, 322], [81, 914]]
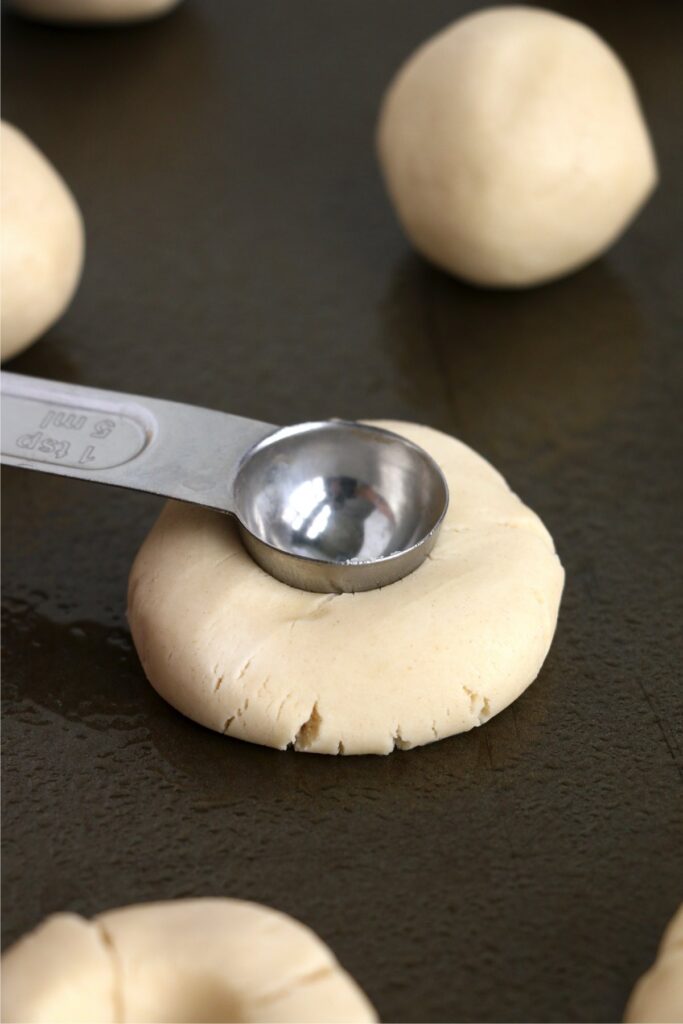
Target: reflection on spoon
[[340, 518]]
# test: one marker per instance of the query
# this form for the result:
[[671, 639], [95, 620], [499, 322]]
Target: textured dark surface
[[241, 255]]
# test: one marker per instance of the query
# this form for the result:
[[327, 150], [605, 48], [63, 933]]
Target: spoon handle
[[146, 444]]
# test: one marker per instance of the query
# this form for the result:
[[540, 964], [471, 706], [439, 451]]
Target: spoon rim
[[280, 433]]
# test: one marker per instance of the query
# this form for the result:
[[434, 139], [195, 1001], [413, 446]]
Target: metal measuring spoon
[[332, 506]]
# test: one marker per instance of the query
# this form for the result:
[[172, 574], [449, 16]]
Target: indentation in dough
[[116, 969], [241, 710], [283, 702], [226, 558], [236, 678], [243, 669], [297, 982], [318, 611], [263, 687], [308, 732]]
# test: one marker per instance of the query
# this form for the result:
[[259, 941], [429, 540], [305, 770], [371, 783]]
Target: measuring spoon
[[331, 506]]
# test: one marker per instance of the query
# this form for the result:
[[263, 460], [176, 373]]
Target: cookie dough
[[658, 996], [41, 251], [93, 11], [437, 653], [186, 960], [513, 147]]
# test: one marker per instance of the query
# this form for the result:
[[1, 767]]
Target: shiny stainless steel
[[338, 506], [146, 444], [332, 507]]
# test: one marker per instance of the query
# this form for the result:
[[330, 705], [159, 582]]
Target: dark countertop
[[242, 255]]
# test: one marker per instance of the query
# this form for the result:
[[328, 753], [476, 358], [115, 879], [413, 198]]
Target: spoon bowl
[[338, 506]]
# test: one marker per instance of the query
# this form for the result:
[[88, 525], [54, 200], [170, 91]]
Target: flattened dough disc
[[435, 654], [204, 960]]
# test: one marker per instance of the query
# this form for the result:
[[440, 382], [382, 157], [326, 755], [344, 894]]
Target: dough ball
[[42, 243], [186, 960], [93, 11], [435, 654], [513, 147], [658, 996]]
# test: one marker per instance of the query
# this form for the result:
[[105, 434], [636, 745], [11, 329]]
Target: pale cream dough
[[513, 146], [84, 11], [41, 250], [437, 653], [658, 996], [187, 960]]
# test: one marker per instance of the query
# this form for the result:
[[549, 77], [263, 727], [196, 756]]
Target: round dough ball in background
[[93, 11], [185, 960], [513, 147], [658, 995], [42, 243], [434, 654]]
